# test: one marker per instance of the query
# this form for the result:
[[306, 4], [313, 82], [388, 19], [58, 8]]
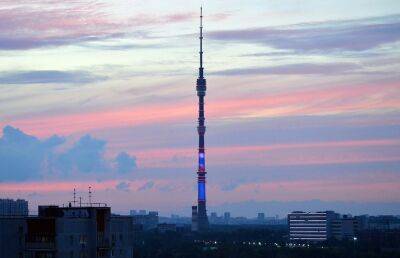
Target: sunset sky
[[302, 105]]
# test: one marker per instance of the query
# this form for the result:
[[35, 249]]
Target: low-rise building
[[345, 227], [165, 227], [146, 221], [383, 222]]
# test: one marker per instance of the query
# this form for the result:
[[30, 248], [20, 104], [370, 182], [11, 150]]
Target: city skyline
[[302, 105]]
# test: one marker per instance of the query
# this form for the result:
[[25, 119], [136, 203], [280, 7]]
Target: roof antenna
[[90, 196], [74, 197]]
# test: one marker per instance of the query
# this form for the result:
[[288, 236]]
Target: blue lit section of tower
[[202, 185], [201, 88]]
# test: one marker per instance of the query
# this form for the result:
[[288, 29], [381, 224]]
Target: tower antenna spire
[[201, 69]]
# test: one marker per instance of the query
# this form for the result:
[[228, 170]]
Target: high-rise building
[[213, 218], [9, 207], [227, 216], [311, 226], [194, 218], [201, 218], [261, 216]]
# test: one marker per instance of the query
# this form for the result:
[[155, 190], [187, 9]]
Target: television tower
[[199, 215]]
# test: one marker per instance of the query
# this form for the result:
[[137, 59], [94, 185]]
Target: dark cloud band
[[354, 35], [49, 77]]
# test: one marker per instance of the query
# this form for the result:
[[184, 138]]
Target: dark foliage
[[254, 242]]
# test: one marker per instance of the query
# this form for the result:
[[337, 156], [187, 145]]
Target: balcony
[[103, 244], [40, 246], [40, 242]]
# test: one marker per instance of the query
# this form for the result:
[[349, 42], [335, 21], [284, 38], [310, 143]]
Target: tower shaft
[[202, 220]]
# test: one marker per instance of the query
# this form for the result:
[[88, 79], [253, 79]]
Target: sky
[[302, 105]]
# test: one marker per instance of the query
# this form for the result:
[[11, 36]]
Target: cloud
[[48, 76], [343, 99], [351, 35], [43, 23], [125, 163], [167, 188], [270, 54], [25, 43], [28, 25], [122, 47], [146, 186], [87, 155], [302, 68], [282, 208], [123, 186], [24, 157], [230, 186]]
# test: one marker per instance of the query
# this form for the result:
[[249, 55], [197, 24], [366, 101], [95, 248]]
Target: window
[[83, 239], [71, 240]]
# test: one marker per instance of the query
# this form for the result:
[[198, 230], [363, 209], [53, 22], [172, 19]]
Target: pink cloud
[[46, 187], [83, 122], [333, 100], [182, 195], [27, 24], [340, 152], [60, 192], [327, 190], [46, 20], [68, 186]]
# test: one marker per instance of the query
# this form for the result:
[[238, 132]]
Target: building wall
[[40, 237], [12, 232], [75, 237], [121, 236]]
